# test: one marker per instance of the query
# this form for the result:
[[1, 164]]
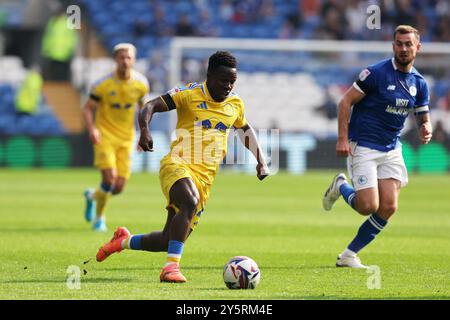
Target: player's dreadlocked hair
[[221, 58]]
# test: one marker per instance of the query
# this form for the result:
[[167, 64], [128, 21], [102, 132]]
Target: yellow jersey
[[115, 115], [203, 127]]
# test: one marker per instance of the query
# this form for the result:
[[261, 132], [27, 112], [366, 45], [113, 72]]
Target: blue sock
[[348, 193], [174, 252], [135, 242], [367, 232]]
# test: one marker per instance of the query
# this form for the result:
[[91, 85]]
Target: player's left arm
[[425, 127], [421, 111], [248, 138]]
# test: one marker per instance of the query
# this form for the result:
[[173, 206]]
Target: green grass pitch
[[277, 222]]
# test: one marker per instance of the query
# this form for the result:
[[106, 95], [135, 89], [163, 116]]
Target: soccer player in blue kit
[[382, 98]]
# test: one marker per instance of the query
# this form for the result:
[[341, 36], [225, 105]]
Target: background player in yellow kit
[[113, 99], [205, 112]]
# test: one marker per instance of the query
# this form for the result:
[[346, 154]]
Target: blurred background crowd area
[[47, 69], [286, 19]]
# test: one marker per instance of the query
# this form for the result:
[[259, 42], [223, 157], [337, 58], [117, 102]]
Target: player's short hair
[[221, 58], [125, 46], [405, 29]]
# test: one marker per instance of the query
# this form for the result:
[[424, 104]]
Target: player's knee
[[109, 180], [388, 209], [119, 185], [367, 209], [190, 203], [117, 189]]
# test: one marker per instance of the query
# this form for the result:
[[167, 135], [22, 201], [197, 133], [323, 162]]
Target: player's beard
[[403, 61], [124, 71]]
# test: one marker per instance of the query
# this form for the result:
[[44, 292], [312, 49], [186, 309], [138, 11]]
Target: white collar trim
[[395, 66]]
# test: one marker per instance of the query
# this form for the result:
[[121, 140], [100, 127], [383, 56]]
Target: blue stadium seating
[[7, 100], [11, 123], [122, 30]]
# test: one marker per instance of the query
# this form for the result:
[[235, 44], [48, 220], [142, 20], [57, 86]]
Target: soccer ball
[[241, 272]]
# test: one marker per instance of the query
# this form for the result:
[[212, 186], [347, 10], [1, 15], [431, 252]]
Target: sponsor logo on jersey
[[221, 127], [397, 111], [401, 102], [211, 124], [206, 124], [391, 87]]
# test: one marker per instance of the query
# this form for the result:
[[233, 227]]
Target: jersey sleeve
[[240, 121], [145, 88], [176, 98], [141, 85], [366, 81], [96, 91], [423, 99]]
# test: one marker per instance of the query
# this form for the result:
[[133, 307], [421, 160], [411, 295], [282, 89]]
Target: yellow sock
[[171, 260], [101, 197]]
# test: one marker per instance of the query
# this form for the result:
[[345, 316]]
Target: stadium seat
[[299, 69], [8, 125], [7, 96]]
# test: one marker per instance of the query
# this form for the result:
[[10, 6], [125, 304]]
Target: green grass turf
[[277, 222]]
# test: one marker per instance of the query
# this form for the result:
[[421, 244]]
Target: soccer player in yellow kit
[[113, 99], [206, 112]]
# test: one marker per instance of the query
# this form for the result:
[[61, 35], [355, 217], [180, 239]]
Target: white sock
[[126, 243], [340, 182], [348, 253], [91, 194]]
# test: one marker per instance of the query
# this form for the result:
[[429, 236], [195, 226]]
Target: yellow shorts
[[114, 155], [171, 172]]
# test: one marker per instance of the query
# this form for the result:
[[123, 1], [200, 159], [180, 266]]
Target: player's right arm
[[161, 104], [351, 97], [88, 114]]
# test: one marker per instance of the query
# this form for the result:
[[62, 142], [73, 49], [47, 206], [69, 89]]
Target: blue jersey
[[376, 121]]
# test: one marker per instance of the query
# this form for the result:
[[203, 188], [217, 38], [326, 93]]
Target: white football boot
[[332, 193], [350, 261]]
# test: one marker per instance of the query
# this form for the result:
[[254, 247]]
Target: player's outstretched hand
[[146, 141], [425, 132], [262, 171]]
